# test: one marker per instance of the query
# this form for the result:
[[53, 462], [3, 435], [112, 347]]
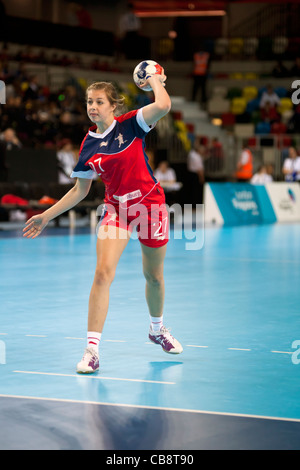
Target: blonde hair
[[111, 93]]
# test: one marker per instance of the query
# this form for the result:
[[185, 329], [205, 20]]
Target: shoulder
[[126, 116], [136, 119]]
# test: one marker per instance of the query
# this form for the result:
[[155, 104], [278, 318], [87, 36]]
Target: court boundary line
[[161, 408], [53, 374]]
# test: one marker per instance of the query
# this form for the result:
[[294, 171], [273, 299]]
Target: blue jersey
[[118, 157]]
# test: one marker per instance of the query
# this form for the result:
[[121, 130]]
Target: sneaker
[[89, 363], [165, 339]]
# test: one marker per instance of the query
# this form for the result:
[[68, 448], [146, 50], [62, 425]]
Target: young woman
[[114, 149]]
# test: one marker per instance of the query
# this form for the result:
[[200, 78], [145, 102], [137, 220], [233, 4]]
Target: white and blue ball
[[143, 71]]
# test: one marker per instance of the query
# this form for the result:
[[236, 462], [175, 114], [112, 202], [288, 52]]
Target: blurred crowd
[[38, 116]]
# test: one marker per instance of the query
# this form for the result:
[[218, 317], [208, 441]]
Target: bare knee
[[155, 279], [104, 275]]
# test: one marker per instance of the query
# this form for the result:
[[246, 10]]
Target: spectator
[[10, 139], [269, 113], [195, 160], [261, 176], [291, 166], [201, 64], [244, 170], [32, 92], [195, 168], [168, 180], [165, 174], [269, 96], [66, 161]]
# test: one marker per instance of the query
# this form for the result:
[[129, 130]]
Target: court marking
[[238, 349], [149, 342], [259, 260], [92, 377], [37, 336], [115, 341], [69, 337], [282, 352], [148, 407]]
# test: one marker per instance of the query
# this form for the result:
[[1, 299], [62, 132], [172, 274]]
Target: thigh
[[111, 246]]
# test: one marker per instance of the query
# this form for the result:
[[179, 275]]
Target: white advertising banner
[[212, 213], [285, 199]]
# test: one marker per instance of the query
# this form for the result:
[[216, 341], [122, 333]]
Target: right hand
[[157, 76], [34, 226]]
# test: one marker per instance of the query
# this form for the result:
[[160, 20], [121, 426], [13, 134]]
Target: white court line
[[37, 336], [92, 377], [70, 337], [215, 413], [239, 349], [115, 341], [261, 260], [194, 346], [282, 352]]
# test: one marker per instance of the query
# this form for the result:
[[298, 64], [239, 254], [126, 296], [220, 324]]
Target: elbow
[[168, 105], [165, 106]]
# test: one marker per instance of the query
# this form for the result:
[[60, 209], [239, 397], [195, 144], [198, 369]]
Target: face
[[292, 152], [99, 108]]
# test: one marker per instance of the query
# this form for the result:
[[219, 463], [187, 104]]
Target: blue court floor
[[233, 303]]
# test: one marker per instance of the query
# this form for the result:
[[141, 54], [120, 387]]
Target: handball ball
[[143, 71]]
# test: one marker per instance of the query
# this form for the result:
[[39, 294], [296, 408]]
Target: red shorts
[[152, 224]]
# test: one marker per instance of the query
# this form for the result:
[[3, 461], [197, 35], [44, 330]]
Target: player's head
[[106, 91]]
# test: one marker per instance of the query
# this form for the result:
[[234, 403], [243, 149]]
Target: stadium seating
[[250, 93], [263, 128], [279, 45], [250, 46], [238, 105], [285, 105], [236, 46]]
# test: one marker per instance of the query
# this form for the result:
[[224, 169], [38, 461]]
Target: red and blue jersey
[[118, 157]]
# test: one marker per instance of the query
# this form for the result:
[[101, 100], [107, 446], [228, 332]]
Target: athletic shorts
[[151, 224]]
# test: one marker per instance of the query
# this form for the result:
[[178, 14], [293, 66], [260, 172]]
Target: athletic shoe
[[89, 363], [165, 339]]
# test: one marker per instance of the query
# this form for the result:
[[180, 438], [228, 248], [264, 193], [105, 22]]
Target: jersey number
[[159, 232], [99, 165]]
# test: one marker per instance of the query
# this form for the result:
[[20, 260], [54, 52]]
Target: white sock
[[93, 339], [156, 323]]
